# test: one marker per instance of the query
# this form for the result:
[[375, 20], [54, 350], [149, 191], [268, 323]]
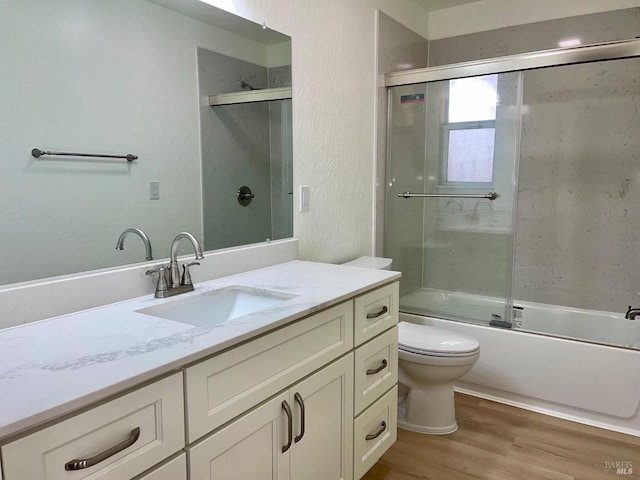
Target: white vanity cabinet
[[376, 376], [314, 399], [304, 432], [348, 405], [116, 440]]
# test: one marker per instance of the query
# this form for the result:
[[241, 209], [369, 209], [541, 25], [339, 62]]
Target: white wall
[[334, 112], [493, 14]]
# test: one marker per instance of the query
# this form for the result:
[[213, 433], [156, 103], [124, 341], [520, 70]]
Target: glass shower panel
[[454, 138], [579, 181], [281, 169]]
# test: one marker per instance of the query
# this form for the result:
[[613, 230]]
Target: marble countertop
[[55, 366]]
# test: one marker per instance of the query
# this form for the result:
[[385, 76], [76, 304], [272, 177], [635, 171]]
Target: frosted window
[[473, 99], [470, 155]]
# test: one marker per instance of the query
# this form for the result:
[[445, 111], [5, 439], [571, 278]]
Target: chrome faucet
[[632, 313], [174, 271], [142, 235], [175, 285]]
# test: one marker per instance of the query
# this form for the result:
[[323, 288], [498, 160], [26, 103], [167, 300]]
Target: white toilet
[[377, 263], [430, 360]]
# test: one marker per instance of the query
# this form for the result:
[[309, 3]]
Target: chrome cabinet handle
[[373, 436], [80, 464], [373, 371], [382, 311], [287, 410], [300, 402]]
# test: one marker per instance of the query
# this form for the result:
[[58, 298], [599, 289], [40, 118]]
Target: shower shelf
[[264, 95]]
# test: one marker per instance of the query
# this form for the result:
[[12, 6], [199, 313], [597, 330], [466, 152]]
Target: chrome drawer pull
[[382, 311], [287, 410], [373, 371], [90, 462], [300, 402], [373, 436]]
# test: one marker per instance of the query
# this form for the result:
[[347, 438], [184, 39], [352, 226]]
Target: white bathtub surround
[[31, 301], [52, 367], [591, 384]]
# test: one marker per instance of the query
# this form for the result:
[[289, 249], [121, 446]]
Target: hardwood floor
[[500, 442]]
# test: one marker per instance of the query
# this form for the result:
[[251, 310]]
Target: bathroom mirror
[[120, 77]]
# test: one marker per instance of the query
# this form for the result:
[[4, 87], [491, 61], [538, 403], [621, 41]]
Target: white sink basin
[[218, 306]]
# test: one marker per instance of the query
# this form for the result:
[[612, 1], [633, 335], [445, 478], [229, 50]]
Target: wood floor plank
[[500, 442]]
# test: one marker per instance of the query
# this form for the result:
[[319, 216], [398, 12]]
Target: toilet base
[[428, 409], [439, 430]]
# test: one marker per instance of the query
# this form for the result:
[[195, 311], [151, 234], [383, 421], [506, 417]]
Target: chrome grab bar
[[37, 153], [488, 196]]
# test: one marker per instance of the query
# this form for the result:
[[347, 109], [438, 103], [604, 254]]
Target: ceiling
[[431, 5]]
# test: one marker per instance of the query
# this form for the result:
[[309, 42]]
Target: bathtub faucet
[[632, 313]]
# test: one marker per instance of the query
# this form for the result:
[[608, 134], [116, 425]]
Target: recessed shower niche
[[245, 124]]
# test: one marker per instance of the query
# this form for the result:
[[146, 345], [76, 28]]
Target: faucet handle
[[161, 286], [186, 276]]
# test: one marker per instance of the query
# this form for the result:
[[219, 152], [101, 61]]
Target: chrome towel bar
[[37, 153], [488, 196]]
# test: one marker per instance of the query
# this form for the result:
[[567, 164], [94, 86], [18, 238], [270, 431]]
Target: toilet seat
[[435, 342]]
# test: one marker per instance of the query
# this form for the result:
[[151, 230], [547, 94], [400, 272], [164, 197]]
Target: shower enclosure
[[527, 170], [246, 150]]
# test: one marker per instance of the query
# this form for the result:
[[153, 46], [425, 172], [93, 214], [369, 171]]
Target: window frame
[[446, 129]]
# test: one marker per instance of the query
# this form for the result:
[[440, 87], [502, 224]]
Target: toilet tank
[[377, 263]]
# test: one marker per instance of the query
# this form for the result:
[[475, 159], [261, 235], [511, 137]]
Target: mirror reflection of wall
[[244, 144], [112, 77]]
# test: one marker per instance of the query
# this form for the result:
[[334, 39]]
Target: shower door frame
[[520, 62], [513, 63]]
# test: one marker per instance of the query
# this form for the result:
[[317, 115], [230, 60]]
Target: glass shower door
[[456, 140]]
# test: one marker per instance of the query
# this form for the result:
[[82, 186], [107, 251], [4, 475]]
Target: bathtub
[[585, 382], [608, 328]]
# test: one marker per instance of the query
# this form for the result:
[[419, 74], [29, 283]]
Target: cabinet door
[[248, 448], [324, 451]]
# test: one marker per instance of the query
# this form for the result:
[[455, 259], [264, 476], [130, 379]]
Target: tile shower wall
[[577, 226]]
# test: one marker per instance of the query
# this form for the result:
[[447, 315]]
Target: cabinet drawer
[[375, 312], [374, 431], [226, 385], [176, 469], [157, 410], [376, 368]]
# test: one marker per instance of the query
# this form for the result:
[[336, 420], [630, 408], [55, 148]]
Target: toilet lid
[[427, 340]]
